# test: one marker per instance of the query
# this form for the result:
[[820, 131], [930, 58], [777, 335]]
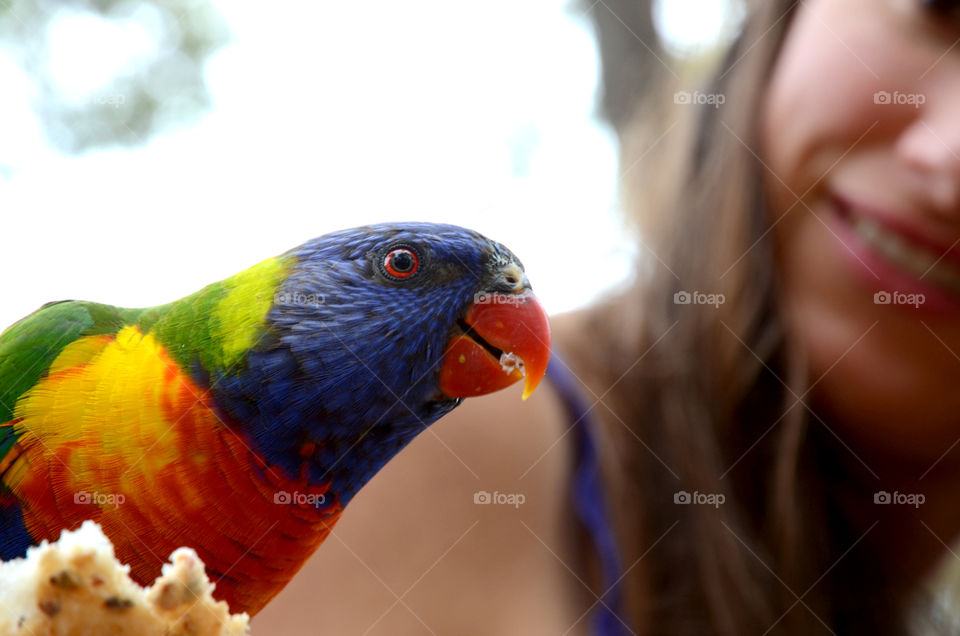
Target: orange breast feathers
[[118, 433]]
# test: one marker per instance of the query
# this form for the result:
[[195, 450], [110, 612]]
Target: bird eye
[[401, 262]]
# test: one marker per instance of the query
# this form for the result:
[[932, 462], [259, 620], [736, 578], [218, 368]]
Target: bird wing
[[115, 430], [28, 351]]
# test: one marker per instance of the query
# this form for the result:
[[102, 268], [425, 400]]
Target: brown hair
[[704, 398]]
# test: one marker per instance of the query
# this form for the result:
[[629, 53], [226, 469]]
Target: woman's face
[[861, 139]]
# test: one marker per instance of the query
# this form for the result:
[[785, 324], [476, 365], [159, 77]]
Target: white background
[[476, 114]]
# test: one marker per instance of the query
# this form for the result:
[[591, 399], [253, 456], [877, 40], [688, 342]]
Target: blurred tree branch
[[629, 48]]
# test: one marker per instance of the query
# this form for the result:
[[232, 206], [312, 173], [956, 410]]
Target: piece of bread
[[76, 587]]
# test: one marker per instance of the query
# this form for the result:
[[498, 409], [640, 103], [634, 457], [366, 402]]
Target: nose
[[930, 147]]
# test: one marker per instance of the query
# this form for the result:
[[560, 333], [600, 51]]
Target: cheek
[[884, 384], [820, 101]]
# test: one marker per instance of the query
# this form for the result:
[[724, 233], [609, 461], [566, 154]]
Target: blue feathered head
[[377, 332]]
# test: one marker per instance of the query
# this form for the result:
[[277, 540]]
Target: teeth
[[909, 256]]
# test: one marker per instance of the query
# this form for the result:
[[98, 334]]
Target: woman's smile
[[903, 264]]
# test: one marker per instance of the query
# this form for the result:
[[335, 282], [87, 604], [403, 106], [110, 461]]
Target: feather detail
[[158, 469]]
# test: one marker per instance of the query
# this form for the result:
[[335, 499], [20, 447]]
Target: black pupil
[[402, 261]]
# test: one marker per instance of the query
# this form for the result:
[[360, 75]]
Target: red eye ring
[[401, 262]]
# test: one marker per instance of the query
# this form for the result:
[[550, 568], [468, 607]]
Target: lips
[[891, 255], [909, 256], [504, 338]]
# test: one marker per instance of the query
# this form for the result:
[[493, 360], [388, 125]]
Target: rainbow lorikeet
[[241, 419]]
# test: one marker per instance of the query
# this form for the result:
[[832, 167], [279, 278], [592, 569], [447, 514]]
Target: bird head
[[383, 329], [444, 301]]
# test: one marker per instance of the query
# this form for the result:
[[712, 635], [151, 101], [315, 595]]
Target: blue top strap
[[590, 500]]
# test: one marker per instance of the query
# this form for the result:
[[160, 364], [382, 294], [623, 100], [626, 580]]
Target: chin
[[882, 390], [884, 377]]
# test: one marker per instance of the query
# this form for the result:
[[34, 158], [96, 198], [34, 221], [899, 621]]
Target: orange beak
[[508, 339]]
